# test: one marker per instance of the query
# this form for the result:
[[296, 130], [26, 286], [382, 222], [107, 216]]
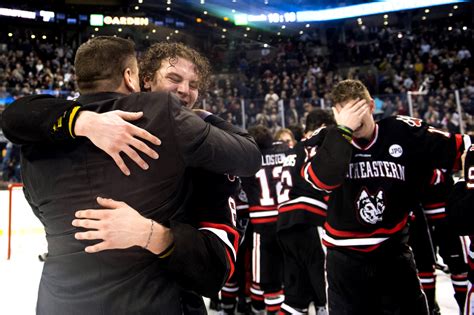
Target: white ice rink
[[19, 276]]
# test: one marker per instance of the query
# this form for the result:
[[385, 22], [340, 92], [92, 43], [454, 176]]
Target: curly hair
[[153, 57], [349, 90]]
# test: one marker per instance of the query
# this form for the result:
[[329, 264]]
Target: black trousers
[[303, 266], [374, 284]]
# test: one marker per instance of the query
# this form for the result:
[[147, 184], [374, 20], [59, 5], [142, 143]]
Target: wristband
[[346, 132], [149, 235]]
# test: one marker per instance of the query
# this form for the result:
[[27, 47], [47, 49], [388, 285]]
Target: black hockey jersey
[[261, 189], [301, 204], [435, 195], [370, 204]]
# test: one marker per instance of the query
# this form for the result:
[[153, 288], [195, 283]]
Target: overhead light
[[248, 28], [427, 10], [33, 36], [362, 27], [168, 9], [224, 30], [10, 34], [385, 23], [265, 45], [140, 1], [168, 2], [455, 7], [92, 35], [283, 27], [279, 33], [223, 36], [176, 31], [96, 29], [450, 14], [203, 2], [199, 20], [301, 32], [233, 10], [115, 35], [226, 18], [385, 16], [307, 25], [153, 31], [167, 38], [137, 7], [450, 28], [120, 29], [266, 1], [245, 35], [400, 35], [43, 37], [147, 37], [464, 28], [205, 12], [423, 17]]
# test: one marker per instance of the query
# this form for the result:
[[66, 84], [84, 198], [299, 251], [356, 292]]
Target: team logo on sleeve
[[371, 207], [395, 150]]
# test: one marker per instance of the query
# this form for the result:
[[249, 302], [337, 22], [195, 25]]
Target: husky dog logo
[[371, 207]]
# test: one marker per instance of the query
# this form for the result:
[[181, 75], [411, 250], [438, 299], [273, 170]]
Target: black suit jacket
[[58, 180]]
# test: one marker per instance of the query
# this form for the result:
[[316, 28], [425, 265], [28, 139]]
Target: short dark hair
[[349, 90], [262, 135], [297, 131], [316, 118], [101, 61], [152, 58]]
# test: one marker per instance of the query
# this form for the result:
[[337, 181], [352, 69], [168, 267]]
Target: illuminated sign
[[125, 20], [48, 16], [18, 13], [96, 20], [370, 8]]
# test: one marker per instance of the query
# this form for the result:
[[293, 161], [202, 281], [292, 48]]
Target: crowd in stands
[[293, 76]]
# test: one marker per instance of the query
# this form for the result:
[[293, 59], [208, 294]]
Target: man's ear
[[147, 83], [127, 77], [372, 105]]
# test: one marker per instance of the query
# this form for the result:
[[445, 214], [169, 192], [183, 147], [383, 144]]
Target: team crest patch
[[371, 207], [395, 150]]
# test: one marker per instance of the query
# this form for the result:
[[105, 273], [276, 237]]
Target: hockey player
[[213, 244], [374, 178], [449, 244], [298, 220], [460, 216], [263, 196]]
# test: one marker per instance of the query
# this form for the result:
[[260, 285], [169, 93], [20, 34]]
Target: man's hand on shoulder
[[112, 133]]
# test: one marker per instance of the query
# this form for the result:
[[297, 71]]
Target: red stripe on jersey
[[470, 262], [231, 262], [256, 297], [273, 294], [460, 289], [350, 234], [229, 294], [462, 276], [436, 216], [426, 274], [428, 286], [300, 206], [316, 180], [263, 220], [273, 308], [434, 205], [226, 229], [262, 208], [459, 142]]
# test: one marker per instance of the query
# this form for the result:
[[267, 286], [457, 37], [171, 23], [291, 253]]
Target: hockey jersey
[[369, 205], [435, 194], [300, 203], [261, 189]]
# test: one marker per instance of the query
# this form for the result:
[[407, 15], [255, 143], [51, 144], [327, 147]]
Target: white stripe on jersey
[[256, 291], [459, 283], [242, 207], [467, 142], [223, 236], [434, 211], [227, 289], [311, 201], [355, 241], [256, 258], [275, 300], [424, 280], [306, 178], [261, 214], [292, 311]]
